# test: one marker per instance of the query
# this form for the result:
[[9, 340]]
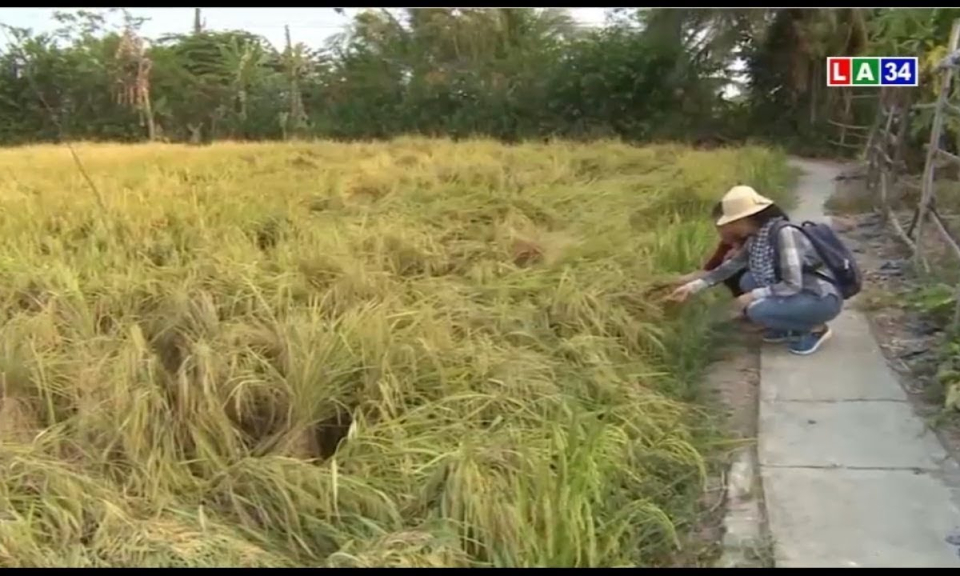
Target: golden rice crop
[[414, 353]]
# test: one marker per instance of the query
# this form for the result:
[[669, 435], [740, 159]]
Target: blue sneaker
[[777, 336], [810, 342]]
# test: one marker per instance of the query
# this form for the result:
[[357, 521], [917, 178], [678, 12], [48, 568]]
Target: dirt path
[[852, 476]]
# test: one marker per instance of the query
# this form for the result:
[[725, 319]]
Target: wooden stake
[[929, 169]]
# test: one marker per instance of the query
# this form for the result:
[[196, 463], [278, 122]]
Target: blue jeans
[[798, 313]]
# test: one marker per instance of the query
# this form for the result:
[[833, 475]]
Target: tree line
[[510, 73]]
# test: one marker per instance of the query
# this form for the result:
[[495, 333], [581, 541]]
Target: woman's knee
[[762, 312]]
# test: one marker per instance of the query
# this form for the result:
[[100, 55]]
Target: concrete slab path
[[852, 476]]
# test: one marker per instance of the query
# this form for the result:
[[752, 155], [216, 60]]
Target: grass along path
[[467, 322]]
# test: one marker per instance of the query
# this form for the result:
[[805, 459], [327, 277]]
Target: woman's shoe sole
[[826, 336], [779, 340]]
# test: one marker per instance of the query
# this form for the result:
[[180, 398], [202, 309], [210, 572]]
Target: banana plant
[[243, 62]]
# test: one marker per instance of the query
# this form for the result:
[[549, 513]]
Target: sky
[[312, 26]]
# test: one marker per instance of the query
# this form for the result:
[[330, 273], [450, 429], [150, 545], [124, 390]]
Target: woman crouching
[[786, 287]]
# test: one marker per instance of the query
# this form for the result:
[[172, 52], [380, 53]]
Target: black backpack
[[832, 251]]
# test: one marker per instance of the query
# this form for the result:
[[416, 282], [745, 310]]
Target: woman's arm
[[687, 278], [734, 264]]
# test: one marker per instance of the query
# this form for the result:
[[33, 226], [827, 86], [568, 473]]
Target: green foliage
[[510, 73], [910, 31], [936, 300]]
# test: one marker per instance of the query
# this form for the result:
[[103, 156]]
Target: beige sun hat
[[740, 202]]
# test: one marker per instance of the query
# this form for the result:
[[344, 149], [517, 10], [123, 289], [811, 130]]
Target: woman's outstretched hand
[[681, 294]]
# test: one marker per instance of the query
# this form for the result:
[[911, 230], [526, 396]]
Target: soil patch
[[731, 393]]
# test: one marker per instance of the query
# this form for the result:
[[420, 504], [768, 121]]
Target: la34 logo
[[872, 71]]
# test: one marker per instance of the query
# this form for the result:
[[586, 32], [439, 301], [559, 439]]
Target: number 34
[[892, 74]]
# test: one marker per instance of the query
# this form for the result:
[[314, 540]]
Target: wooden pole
[[881, 157], [902, 130], [293, 63], [874, 126], [929, 169]]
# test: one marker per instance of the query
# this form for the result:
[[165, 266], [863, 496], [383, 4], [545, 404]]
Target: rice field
[[412, 353]]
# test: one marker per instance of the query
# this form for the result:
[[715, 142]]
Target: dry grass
[[416, 353]]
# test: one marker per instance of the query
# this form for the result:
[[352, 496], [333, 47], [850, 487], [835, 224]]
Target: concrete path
[[851, 475]]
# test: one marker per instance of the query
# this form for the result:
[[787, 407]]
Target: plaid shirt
[[798, 258]]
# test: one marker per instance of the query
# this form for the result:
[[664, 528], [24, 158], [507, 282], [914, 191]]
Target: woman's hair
[[717, 211], [767, 214]]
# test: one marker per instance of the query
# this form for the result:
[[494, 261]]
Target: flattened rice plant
[[415, 353]]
